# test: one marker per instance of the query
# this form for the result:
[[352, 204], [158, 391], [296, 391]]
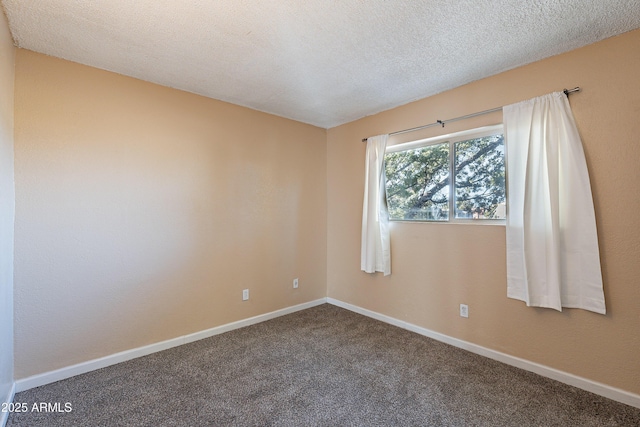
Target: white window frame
[[452, 138]]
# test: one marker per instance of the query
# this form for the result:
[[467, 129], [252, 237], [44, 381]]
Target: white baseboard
[[612, 393], [4, 416], [604, 390], [91, 365]]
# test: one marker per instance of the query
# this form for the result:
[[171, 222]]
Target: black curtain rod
[[468, 116]]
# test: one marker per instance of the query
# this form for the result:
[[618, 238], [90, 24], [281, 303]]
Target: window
[[419, 176]]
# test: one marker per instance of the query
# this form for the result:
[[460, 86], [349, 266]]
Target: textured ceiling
[[323, 62]]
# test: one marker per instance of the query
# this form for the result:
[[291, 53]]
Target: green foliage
[[418, 180], [418, 183], [479, 177]]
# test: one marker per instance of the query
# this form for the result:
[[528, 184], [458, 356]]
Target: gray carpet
[[324, 366]]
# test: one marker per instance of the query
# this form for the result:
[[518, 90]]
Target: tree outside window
[[419, 187]]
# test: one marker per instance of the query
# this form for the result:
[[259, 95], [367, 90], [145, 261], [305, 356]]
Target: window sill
[[491, 222]]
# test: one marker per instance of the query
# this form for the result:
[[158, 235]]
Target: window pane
[[479, 178], [418, 183]]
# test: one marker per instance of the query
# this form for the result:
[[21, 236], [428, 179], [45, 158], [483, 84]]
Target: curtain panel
[[375, 252], [553, 258]]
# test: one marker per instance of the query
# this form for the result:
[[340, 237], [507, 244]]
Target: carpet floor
[[324, 366]]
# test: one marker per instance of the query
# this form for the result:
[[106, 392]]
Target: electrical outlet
[[464, 310], [295, 283], [245, 294]]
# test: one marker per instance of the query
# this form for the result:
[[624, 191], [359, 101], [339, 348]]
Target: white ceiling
[[324, 62]]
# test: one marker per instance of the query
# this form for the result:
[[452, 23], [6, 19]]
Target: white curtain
[[552, 245], [375, 250]]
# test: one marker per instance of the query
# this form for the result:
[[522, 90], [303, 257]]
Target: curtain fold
[[375, 252], [553, 258]]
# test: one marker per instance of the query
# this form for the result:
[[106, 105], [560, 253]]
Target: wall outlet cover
[[464, 310]]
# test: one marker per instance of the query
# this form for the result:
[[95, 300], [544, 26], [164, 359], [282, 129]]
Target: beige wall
[[7, 208], [142, 212], [438, 266]]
